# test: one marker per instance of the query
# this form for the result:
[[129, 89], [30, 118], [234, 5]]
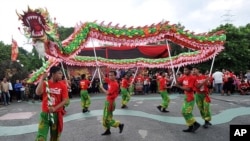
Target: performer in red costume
[[51, 116], [202, 96], [112, 93], [186, 83], [164, 93], [124, 91], [85, 98]]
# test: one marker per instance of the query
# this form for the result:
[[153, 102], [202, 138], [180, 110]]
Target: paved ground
[[143, 122]]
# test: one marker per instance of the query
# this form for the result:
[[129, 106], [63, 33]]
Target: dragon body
[[39, 26]]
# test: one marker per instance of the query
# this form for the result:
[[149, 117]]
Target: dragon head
[[35, 22], [38, 26]]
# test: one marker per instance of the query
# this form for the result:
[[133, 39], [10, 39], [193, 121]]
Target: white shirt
[[218, 77], [10, 86], [23, 88]]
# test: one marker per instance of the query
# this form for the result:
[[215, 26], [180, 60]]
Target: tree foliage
[[64, 32], [26, 62], [235, 56]]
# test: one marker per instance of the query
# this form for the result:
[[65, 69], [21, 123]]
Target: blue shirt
[[18, 86]]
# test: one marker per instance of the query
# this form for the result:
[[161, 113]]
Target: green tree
[[65, 32], [26, 62], [235, 56], [5, 52]]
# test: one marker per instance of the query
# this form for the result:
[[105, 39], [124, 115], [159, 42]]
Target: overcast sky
[[195, 15]]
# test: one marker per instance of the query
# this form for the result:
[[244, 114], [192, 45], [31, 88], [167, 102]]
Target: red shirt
[[163, 84], [84, 84], [200, 79], [226, 76], [188, 81], [124, 83], [139, 79], [210, 81], [113, 89], [243, 85], [58, 92]]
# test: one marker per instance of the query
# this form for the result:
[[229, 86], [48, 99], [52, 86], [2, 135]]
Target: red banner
[[14, 50]]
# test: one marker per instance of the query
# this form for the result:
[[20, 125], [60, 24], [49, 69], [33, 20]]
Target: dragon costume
[[39, 26]]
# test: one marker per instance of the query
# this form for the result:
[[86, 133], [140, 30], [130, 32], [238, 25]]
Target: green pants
[[165, 99], [203, 106], [187, 111], [107, 119], [85, 99], [125, 96], [44, 126]]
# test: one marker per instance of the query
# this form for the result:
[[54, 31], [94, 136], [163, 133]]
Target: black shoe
[[107, 132], [84, 110], [87, 110], [196, 125], [207, 124], [164, 110], [121, 125], [190, 129], [124, 106], [159, 108]]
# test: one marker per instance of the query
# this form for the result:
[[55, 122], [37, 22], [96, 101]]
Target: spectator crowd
[[223, 82]]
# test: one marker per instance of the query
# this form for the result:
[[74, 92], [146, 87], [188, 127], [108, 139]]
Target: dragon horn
[[109, 24], [29, 9], [46, 10], [101, 24], [117, 25], [19, 16]]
